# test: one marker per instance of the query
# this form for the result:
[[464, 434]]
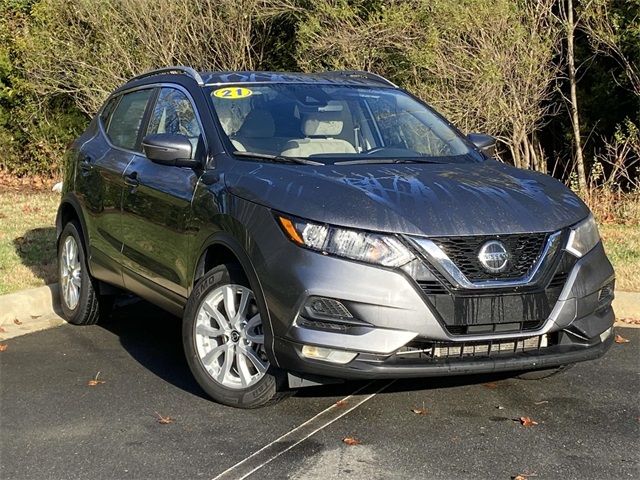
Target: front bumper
[[567, 350], [395, 313]]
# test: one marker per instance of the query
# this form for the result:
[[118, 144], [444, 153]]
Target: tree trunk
[[579, 159]]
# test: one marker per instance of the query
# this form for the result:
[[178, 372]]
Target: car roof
[[343, 77], [179, 74]]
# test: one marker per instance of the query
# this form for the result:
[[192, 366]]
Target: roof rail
[[364, 74], [175, 69]]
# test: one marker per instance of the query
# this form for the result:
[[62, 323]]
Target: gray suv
[[314, 228]]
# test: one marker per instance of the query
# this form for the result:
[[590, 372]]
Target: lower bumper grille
[[496, 310], [435, 350]]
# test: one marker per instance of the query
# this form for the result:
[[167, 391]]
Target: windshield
[[335, 124]]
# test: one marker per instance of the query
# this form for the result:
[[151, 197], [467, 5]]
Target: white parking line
[[286, 442]]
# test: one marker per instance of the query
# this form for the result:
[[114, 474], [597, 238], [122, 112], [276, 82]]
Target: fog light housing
[[606, 294], [322, 307], [328, 354]]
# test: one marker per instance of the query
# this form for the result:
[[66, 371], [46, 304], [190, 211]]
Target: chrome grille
[[523, 249]]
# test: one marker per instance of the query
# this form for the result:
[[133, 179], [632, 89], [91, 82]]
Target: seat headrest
[[258, 124], [322, 124]]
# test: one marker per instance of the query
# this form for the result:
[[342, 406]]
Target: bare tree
[[604, 36], [567, 17], [487, 65], [87, 48]]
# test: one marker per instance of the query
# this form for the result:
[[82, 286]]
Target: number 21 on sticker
[[232, 93]]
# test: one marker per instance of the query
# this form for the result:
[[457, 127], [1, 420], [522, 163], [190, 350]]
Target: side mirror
[[169, 149], [486, 143]]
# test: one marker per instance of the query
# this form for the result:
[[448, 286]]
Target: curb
[[36, 309], [627, 305], [30, 310]]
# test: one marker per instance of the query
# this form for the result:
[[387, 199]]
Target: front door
[[157, 208]]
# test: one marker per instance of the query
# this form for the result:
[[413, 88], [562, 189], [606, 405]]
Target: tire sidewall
[[78, 313], [254, 396]]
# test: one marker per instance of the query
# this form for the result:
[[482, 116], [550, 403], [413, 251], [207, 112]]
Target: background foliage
[[497, 67]]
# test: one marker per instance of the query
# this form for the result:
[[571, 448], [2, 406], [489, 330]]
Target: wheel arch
[[223, 247], [68, 210]]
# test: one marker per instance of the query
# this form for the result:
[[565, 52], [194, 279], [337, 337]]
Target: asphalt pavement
[[53, 424]]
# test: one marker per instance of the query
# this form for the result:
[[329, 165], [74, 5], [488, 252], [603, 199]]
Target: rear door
[[157, 207], [100, 182]]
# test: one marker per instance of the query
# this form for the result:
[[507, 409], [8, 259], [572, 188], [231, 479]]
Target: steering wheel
[[393, 151], [374, 150]]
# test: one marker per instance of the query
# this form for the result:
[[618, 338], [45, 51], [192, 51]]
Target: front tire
[[223, 339], [79, 300]]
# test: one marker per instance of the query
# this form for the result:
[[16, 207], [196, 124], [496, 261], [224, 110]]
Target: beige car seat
[[320, 129], [257, 133]]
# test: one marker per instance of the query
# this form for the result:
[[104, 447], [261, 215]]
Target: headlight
[[583, 237], [363, 246]]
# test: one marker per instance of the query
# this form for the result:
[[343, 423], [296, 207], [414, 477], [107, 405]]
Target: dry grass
[[27, 239], [618, 217], [616, 208], [622, 243]]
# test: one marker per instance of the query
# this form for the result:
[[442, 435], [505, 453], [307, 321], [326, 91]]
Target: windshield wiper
[[384, 160], [276, 158]]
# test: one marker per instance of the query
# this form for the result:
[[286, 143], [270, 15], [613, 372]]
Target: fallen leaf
[[541, 402], [341, 404], [17, 322], [420, 411], [490, 385], [527, 421], [2, 330], [94, 381], [164, 420], [3, 347], [35, 316], [621, 339], [630, 321], [351, 441], [523, 476], [499, 407]]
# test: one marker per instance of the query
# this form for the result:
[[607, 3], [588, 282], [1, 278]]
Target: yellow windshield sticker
[[233, 93]]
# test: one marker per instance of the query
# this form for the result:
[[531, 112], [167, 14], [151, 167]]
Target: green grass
[[27, 239], [28, 253]]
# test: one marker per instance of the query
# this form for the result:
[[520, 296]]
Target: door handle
[[132, 179], [86, 164]]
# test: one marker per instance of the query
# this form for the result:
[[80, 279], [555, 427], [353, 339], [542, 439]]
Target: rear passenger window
[[108, 110], [174, 113], [125, 121]]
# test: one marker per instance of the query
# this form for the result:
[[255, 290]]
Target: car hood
[[417, 199]]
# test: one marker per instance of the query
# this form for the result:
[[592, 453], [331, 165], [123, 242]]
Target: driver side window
[[173, 113]]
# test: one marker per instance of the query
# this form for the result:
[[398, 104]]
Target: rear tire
[[542, 374], [223, 340], [80, 302]]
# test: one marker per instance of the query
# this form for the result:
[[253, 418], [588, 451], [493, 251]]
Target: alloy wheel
[[70, 272], [229, 337]]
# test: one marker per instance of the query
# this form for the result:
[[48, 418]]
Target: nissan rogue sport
[[315, 227]]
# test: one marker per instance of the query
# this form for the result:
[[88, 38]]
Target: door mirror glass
[[169, 149], [486, 143]]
